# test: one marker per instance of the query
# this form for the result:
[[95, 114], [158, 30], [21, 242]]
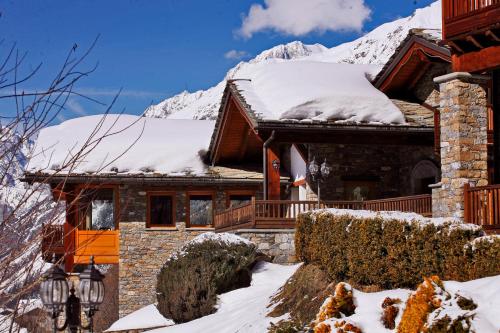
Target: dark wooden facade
[[472, 30]]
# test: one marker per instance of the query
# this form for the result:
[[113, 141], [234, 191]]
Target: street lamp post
[[55, 297], [319, 173]]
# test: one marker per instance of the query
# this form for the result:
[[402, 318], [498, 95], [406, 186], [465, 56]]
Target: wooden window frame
[[171, 194], [189, 194], [229, 193], [116, 197]]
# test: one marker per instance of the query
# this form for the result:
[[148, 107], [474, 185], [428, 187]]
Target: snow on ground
[[144, 318], [484, 292], [316, 91], [123, 144], [242, 310]]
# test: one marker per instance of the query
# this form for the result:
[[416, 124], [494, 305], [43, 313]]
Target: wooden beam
[[478, 61], [273, 175], [492, 35], [455, 46], [244, 144], [421, 72], [474, 41]]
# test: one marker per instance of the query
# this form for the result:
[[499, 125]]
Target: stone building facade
[[375, 170], [143, 250], [464, 139]]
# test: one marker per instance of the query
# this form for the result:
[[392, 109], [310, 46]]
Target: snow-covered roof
[[315, 91], [123, 144]]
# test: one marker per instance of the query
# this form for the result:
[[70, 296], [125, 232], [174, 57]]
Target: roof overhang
[[409, 63]]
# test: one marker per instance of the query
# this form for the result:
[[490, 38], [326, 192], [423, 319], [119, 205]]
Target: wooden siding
[[464, 16]]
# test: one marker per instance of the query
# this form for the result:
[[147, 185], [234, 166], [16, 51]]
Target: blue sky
[[155, 49]]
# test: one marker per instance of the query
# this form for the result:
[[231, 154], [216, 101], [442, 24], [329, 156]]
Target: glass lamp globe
[[313, 168], [325, 169], [54, 289], [91, 287]]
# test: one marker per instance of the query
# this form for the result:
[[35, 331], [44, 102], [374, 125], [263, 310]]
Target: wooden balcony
[[461, 17], [102, 244], [281, 214], [482, 207]]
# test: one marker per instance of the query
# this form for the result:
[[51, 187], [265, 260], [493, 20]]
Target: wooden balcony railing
[[420, 204], [462, 16], [279, 214], [482, 206], [102, 244], [52, 241]]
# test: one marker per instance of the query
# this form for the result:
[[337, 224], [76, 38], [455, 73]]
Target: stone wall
[[464, 150], [388, 168], [278, 244], [143, 252]]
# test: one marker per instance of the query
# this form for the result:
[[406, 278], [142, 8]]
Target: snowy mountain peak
[[376, 47], [292, 50]]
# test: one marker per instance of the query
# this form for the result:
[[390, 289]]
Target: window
[[360, 190], [200, 210], [239, 199], [160, 210], [97, 210]]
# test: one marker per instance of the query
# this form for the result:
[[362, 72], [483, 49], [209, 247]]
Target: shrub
[[188, 283], [390, 310], [390, 252], [303, 294]]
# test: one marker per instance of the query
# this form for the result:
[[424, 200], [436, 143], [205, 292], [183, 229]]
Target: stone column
[[464, 153]]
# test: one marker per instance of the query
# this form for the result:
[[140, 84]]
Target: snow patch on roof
[[316, 91], [123, 144]]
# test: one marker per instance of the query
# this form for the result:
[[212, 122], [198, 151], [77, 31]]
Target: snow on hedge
[[316, 91], [147, 317], [400, 216], [222, 238], [123, 144]]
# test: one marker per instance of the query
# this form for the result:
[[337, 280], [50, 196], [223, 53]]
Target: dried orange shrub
[[390, 312], [419, 305], [322, 328], [336, 305], [339, 303], [345, 327]]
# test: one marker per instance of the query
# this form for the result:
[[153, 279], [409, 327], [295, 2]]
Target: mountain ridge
[[375, 47]]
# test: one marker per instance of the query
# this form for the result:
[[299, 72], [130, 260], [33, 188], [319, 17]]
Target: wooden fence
[[482, 206]]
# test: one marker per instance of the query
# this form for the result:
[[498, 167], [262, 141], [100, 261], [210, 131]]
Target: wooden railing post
[[467, 208], [253, 212]]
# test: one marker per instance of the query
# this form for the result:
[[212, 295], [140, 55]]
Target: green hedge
[[188, 283], [393, 253]]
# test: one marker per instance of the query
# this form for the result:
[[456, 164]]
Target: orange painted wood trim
[[273, 176], [474, 62]]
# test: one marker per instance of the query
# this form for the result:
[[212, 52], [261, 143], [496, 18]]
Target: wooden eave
[[321, 132], [242, 129], [72, 179], [409, 63]]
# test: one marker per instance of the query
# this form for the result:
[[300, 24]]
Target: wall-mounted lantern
[[319, 173]]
